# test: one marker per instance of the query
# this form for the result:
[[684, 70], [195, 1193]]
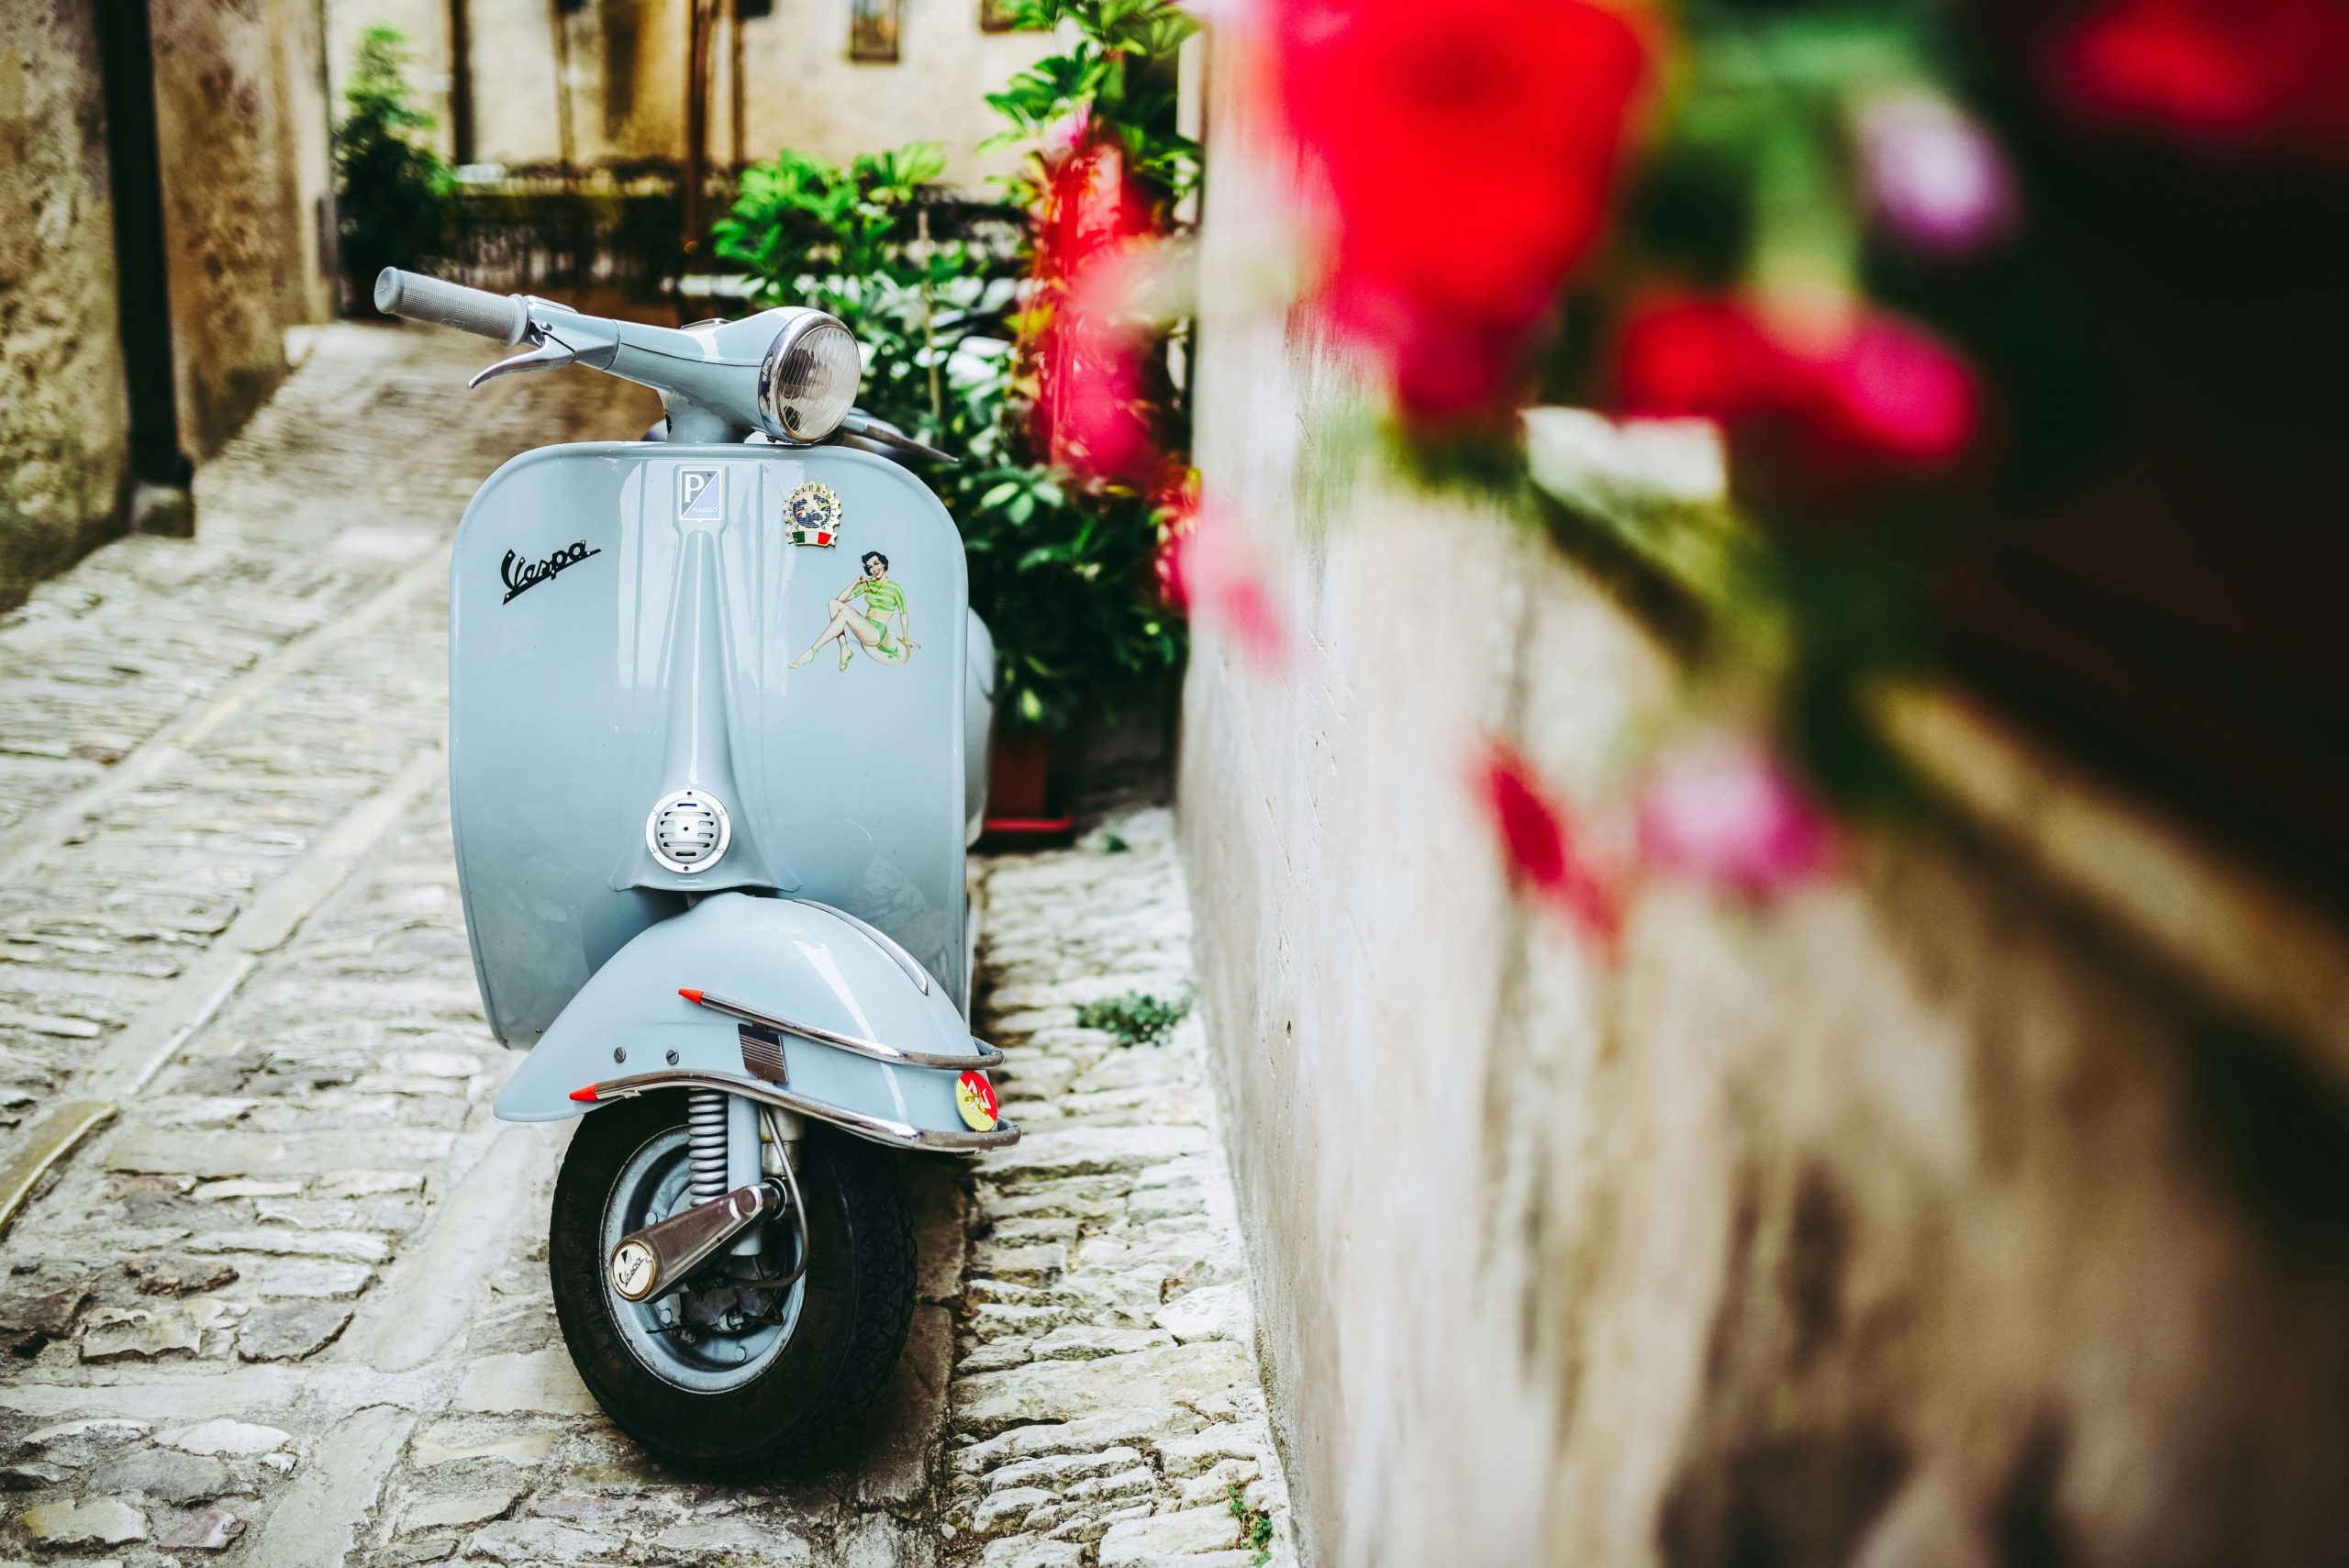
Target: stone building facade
[[1980, 1205], [594, 84], [239, 94]]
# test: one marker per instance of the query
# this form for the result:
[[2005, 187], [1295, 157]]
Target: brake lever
[[550, 354], [865, 427]]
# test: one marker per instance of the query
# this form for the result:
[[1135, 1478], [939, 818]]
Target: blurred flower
[[2274, 70], [1539, 842], [1892, 390], [1933, 174], [1728, 812], [1862, 390], [1469, 153], [1207, 570]]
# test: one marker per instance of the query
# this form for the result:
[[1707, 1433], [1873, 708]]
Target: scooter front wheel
[[746, 1367]]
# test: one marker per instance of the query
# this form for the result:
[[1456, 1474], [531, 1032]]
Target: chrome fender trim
[[880, 1130], [988, 1056]]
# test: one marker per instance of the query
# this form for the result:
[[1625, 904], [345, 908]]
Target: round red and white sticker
[[975, 1098]]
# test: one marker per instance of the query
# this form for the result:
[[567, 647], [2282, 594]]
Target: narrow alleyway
[[277, 1295]]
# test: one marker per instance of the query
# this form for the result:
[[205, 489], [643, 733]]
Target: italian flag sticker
[[975, 1098]]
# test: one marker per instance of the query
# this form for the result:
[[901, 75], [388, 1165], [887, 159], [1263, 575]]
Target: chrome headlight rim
[[779, 415], [678, 797]]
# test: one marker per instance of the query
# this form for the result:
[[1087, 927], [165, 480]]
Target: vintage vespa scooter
[[718, 716]]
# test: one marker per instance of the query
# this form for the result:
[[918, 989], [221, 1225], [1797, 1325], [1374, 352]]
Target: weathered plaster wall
[[804, 92], [624, 64], [237, 229], [242, 124], [1922, 1220], [64, 426]]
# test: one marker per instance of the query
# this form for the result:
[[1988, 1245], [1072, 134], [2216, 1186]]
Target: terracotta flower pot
[[1021, 799]]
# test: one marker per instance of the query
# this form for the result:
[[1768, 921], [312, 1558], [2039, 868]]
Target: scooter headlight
[[808, 379]]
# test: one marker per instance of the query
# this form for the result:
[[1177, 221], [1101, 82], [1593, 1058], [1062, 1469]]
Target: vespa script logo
[[521, 575]]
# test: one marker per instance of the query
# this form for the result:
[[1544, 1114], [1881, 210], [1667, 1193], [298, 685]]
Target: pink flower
[[1206, 569], [1873, 394], [1891, 390], [1728, 812], [1540, 842], [1933, 175]]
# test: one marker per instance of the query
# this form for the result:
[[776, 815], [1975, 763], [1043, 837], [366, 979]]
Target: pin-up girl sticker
[[861, 614]]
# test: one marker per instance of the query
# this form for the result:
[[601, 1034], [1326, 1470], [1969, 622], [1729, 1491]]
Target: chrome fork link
[[780, 1134], [705, 1126]]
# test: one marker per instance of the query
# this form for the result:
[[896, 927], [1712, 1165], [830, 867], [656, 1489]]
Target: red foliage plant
[[1087, 347], [1468, 152]]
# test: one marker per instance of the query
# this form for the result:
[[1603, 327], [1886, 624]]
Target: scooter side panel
[[625, 617], [778, 956]]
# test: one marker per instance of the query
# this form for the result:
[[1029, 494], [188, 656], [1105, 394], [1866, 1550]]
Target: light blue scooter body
[[623, 620], [799, 960]]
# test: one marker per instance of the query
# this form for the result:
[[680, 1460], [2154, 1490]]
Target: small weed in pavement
[[1136, 1017], [1255, 1526]]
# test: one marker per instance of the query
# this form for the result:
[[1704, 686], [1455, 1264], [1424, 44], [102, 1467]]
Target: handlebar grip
[[504, 316]]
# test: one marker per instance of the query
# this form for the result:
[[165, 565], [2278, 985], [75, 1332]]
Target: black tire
[[858, 1302]]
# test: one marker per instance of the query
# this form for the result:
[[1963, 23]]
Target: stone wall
[[1985, 1204], [63, 425], [238, 102], [625, 94], [240, 111]]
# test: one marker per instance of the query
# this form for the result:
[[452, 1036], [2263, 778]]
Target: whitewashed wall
[[1978, 1205]]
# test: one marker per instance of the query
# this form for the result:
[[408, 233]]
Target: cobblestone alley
[[277, 1295]]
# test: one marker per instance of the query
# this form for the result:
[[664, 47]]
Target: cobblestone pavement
[[1105, 1406], [287, 1304]]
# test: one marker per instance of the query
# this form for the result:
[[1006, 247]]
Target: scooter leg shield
[[670, 1001]]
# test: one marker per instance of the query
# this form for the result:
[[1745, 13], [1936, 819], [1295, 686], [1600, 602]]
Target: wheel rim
[[719, 1331]]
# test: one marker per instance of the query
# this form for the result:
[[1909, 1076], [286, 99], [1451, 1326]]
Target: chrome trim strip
[[880, 939], [988, 1056], [880, 1130]]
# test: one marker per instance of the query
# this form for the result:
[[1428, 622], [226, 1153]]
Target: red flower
[[2271, 70], [1875, 393], [1469, 152], [1539, 841]]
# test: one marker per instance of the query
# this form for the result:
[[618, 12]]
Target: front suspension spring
[[706, 1125]]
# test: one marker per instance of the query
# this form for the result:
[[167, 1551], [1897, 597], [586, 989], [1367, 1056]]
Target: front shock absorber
[[705, 1126]]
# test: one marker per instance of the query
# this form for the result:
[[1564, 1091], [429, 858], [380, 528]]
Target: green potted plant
[[1062, 573], [391, 195]]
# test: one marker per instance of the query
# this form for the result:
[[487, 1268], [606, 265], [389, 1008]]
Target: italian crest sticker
[[813, 513], [975, 1098]]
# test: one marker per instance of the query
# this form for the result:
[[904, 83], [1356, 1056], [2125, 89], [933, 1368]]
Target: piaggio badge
[[701, 495]]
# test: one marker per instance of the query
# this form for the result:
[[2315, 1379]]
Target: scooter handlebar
[[504, 316]]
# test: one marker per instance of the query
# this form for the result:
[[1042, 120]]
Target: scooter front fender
[[801, 1007]]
